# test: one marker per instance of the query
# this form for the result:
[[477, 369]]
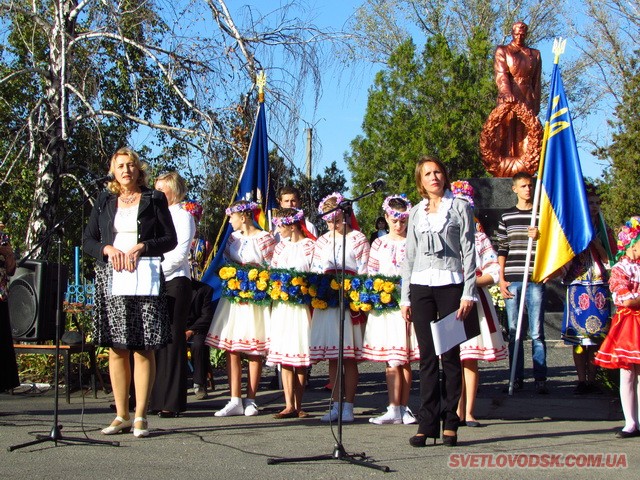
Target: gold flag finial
[[261, 81], [558, 48]]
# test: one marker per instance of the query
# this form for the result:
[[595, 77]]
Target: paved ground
[[199, 445]]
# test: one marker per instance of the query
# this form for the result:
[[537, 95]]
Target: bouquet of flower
[[245, 284], [376, 293], [289, 286]]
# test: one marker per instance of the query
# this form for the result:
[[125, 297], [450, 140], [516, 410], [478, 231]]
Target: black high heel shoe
[[420, 441], [449, 440]]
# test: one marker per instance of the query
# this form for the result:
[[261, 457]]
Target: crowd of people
[[287, 293]]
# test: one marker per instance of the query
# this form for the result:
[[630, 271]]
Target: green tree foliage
[[622, 199], [431, 103]]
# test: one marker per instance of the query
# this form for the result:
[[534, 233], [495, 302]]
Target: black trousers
[[170, 389], [438, 401], [199, 359]]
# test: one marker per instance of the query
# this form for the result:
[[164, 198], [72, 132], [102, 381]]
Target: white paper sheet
[[447, 333], [143, 281]]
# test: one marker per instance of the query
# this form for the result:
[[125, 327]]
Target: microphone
[[106, 178], [378, 185]]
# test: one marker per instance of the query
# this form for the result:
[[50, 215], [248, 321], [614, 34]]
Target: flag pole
[[558, 49]]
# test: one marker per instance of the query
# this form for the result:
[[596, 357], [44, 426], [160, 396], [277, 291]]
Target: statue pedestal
[[492, 196]]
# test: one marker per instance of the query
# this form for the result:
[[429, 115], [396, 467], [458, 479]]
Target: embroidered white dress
[[325, 324], [385, 336], [489, 345], [290, 324], [243, 327]]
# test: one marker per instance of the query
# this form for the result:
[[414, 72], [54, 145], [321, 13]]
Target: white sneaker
[[393, 416], [230, 409], [250, 408], [407, 416], [347, 413]]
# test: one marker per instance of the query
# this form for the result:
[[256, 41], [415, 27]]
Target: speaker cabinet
[[33, 303]]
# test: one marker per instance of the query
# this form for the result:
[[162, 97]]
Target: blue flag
[[565, 225], [254, 185]]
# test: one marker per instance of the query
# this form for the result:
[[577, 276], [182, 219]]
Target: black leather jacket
[[155, 227]]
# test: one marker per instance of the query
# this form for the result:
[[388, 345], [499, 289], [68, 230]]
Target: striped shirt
[[513, 240]]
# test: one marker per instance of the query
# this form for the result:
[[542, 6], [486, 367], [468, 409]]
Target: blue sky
[[338, 119]]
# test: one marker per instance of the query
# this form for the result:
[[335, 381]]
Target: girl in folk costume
[[621, 347], [290, 322], [388, 338], [325, 324], [241, 328], [489, 345]]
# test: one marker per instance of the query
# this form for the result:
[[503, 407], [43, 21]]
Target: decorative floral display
[[496, 297], [290, 220], [245, 283], [392, 212], [330, 216], [323, 290], [628, 235], [242, 207], [376, 293], [462, 189], [289, 286], [194, 208]]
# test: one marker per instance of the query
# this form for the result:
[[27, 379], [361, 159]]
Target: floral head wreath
[[330, 216], [289, 220], [628, 235], [392, 212], [462, 189], [194, 208], [242, 207]]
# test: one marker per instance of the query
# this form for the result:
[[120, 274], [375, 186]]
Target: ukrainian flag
[[564, 222], [254, 185]]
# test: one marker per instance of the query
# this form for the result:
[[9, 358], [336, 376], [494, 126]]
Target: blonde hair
[[114, 185], [176, 183]]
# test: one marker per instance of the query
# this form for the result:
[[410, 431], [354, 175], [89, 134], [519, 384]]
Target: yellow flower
[[354, 295], [377, 284], [245, 294], [295, 281], [388, 287], [385, 297], [284, 296], [335, 285], [227, 273], [319, 304], [313, 290], [233, 284], [264, 275], [365, 307], [261, 285], [355, 306], [304, 289], [253, 274], [275, 294], [347, 284]]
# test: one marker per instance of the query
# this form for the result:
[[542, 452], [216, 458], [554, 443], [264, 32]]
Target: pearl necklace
[[130, 199]]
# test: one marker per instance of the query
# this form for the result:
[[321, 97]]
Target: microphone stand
[[339, 452], [55, 435]]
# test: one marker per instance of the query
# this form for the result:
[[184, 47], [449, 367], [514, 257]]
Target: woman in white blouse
[[169, 395]]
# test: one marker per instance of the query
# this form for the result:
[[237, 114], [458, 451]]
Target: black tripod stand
[[339, 452], [55, 435]]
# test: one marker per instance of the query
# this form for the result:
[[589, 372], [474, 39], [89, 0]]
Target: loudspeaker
[[32, 301]]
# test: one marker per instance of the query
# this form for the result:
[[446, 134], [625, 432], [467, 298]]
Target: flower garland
[[242, 207], [628, 235], [462, 189], [290, 220], [194, 208], [376, 293], [245, 284], [392, 212], [330, 216], [286, 285]]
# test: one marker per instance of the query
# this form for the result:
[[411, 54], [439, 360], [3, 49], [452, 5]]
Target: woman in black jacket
[[128, 222]]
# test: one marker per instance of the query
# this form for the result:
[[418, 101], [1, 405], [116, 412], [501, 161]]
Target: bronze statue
[[511, 137]]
